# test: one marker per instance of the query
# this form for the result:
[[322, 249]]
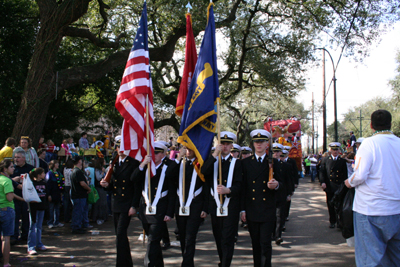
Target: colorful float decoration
[[287, 133]]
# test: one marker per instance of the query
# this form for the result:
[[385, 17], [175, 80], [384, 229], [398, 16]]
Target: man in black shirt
[[21, 207], [79, 193]]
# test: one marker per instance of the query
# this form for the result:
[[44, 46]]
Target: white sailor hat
[[360, 140], [276, 147], [236, 148], [159, 146], [118, 140], [228, 137], [246, 150], [164, 143], [287, 148], [284, 151], [260, 135], [334, 145]]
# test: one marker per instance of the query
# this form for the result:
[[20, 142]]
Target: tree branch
[[87, 34]]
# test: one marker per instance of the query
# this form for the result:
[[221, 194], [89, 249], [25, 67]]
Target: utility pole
[[313, 134], [316, 137], [360, 123], [323, 104]]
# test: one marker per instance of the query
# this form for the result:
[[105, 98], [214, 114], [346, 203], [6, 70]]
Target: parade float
[[288, 133]]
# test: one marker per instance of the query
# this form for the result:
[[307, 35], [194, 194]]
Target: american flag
[[131, 98]]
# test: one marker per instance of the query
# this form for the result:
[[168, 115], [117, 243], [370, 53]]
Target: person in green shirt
[[7, 213]]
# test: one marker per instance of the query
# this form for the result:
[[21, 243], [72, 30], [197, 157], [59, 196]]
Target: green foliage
[[263, 46], [351, 121], [18, 24]]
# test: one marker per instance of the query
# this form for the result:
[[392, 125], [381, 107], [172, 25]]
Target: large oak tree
[[267, 44]]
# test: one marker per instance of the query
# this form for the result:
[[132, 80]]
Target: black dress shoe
[[332, 225], [283, 228], [278, 241], [166, 246]]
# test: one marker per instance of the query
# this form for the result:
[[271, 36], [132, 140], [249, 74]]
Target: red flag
[[131, 102], [190, 64]]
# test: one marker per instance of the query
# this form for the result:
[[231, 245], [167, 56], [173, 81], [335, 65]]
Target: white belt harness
[[192, 194], [228, 184], [159, 194]]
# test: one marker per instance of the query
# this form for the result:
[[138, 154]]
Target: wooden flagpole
[[219, 156], [148, 164]]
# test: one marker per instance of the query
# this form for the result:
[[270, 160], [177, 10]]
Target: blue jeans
[[313, 171], [78, 213], [35, 231], [67, 204], [7, 221], [54, 213], [377, 240]]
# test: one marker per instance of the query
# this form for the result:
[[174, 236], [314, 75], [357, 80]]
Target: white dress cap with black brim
[[277, 147], [285, 152], [164, 143], [236, 148], [334, 145], [160, 147], [260, 135], [118, 140], [246, 150], [228, 137], [287, 148]]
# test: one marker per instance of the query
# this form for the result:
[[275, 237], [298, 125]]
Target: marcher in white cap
[[259, 203], [123, 190], [246, 152], [156, 210], [235, 151], [283, 196], [294, 175], [332, 173], [358, 143], [225, 214]]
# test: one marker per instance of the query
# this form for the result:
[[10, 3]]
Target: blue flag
[[200, 115]]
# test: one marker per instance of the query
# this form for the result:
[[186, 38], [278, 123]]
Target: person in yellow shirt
[[7, 150]]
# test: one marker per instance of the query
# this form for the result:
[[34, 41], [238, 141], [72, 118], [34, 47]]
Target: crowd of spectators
[[60, 179]]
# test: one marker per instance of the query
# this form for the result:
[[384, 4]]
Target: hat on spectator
[[228, 137], [277, 147], [246, 150], [334, 145], [236, 148], [260, 135], [99, 143]]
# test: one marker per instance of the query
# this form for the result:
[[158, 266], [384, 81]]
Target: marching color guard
[[332, 173], [192, 204], [156, 210], [259, 200], [225, 215]]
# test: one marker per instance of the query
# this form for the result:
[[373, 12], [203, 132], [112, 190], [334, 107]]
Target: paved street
[[308, 241]]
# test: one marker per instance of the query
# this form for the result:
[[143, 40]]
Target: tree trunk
[[40, 83]]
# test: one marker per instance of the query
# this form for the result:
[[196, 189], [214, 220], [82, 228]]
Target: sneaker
[[51, 226], [32, 252], [88, 227], [43, 248], [59, 225], [100, 222]]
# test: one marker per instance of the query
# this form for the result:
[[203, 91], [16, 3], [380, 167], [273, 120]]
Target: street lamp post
[[334, 92]]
